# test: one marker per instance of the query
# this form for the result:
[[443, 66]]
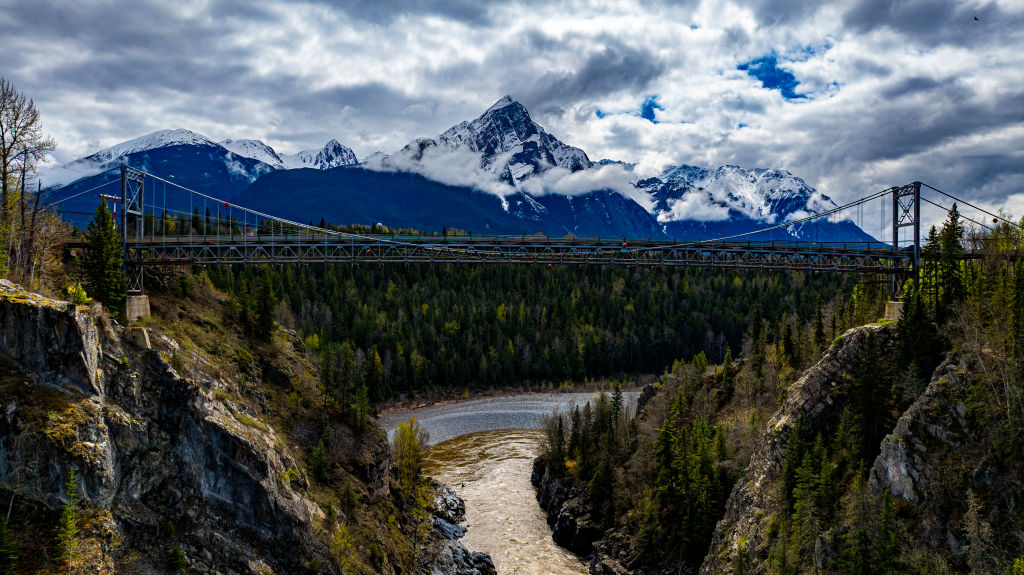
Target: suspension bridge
[[195, 228]]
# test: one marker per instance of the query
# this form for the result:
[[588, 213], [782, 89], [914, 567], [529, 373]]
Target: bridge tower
[[906, 213], [132, 223]]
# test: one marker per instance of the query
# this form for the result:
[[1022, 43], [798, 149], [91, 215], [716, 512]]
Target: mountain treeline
[[415, 329], [680, 461]]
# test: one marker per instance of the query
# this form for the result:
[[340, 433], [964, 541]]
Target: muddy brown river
[[490, 470], [484, 449]]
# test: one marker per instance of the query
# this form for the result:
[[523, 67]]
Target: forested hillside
[[873, 462], [413, 329]]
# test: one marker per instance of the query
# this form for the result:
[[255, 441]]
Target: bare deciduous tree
[[22, 142]]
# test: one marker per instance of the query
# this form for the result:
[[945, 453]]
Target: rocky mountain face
[[180, 459], [957, 491]]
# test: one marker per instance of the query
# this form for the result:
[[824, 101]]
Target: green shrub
[[77, 295]]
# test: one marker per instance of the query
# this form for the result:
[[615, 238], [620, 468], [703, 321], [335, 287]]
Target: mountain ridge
[[535, 177]]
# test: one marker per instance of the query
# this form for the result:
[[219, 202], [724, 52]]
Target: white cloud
[[453, 167], [886, 104], [694, 206]]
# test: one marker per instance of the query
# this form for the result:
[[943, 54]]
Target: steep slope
[[192, 454], [255, 150], [956, 479], [180, 154]]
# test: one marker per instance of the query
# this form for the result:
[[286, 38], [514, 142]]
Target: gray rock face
[[149, 446], [55, 340], [449, 557], [756, 498], [937, 419], [567, 508], [961, 499]]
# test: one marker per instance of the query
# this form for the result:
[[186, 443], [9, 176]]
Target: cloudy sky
[[853, 96]]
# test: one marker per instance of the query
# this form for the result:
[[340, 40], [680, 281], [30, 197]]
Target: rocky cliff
[[956, 480], [187, 451]]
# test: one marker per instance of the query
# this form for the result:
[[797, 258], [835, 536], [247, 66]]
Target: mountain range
[[501, 173]]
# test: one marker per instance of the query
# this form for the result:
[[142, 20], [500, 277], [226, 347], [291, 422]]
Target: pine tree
[[8, 549], [67, 528], [819, 329], [953, 287], [104, 269], [265, 302]]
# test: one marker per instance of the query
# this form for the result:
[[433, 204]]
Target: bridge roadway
[[370, 249]]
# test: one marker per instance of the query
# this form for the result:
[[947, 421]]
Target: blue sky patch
[[648, 107], [599, 113], [766, 69]]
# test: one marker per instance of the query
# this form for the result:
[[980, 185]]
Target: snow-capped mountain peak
[[509, 144], [332, 155], [504, 101], [159, 139], [254, 149]]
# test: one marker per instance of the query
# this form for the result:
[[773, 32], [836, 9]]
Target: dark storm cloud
[[932, 22], [384, 11], [775, 12], [134, 47], [614, 68], [371, 96], [925, 85]]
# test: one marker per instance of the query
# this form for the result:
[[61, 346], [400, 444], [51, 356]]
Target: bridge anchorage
[[195, 228]]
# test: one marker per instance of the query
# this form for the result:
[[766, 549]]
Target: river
[[484, 449]]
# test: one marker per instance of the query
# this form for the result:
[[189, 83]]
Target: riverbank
[[444, 421], [447, 397]]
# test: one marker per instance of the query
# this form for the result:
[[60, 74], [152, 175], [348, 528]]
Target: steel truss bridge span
[[309, 249]]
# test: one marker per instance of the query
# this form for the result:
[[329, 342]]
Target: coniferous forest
[[417, 329]]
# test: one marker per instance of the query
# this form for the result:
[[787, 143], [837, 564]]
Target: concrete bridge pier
[[136, 306], [892, 310]]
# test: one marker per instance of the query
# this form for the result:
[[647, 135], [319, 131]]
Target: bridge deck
[[851, 258]]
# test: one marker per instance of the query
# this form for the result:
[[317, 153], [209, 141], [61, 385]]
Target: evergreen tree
[[8, 549], [347, 371], [917, 339], [104, 266], [953, 286], [265, 302], [819, 329], [67, 528]]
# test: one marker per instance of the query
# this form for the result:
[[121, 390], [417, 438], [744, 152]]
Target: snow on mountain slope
[[160, 139], [698, 202], [770, 196], [256, 150], [149, 144]]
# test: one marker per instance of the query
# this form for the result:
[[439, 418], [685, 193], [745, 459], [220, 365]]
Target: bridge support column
[[893, 309], [136, 306], [906, 213]]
